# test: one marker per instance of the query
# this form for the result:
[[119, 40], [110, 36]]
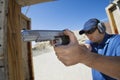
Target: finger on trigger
[[71, 35]]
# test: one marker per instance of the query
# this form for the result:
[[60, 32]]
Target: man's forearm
[[109, 65]]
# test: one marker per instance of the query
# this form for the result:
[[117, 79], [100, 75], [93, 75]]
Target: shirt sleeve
[[117, 45], [118, 51]]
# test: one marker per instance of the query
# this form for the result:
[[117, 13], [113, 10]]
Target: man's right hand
[[72, 53]]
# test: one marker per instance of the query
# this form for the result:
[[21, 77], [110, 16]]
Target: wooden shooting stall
[[113, 13], [15, 55]]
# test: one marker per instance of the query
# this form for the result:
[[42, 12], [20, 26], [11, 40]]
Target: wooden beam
[[109, 10], [26, 50], [31, 2], [3, 24], [113, 13], [2, 18], [14, 47]]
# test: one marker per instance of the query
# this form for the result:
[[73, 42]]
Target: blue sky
[[65, 14]]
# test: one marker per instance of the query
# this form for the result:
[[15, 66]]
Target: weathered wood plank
[[19, 56], [2, 17], [26, 50], [3, 9], [113, 13], [14, 47], [31, 2]]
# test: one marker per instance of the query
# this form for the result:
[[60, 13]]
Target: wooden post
[[113, 13], [3, 24], [14, 47], [26, 50]]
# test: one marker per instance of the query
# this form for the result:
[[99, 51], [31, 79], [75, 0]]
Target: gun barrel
[[40, 35]]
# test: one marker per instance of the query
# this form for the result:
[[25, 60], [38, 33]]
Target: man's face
[[94, 35]]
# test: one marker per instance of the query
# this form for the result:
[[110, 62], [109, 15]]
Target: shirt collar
[[106, 39]]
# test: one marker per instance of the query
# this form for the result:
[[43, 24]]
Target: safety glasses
[[90, 31]]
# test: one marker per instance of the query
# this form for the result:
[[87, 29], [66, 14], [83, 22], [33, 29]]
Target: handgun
[[57, 36]]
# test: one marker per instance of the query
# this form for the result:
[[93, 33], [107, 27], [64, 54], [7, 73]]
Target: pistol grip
[[62, 40]]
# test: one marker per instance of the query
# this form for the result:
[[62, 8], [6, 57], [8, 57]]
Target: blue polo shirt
[[110, 46]]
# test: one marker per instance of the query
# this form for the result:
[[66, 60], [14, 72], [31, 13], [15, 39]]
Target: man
[[104, 56]]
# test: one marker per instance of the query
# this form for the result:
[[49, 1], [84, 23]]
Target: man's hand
[[72, 53]]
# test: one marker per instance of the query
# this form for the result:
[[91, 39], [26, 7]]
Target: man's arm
[[74, 53], [109, 65]]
